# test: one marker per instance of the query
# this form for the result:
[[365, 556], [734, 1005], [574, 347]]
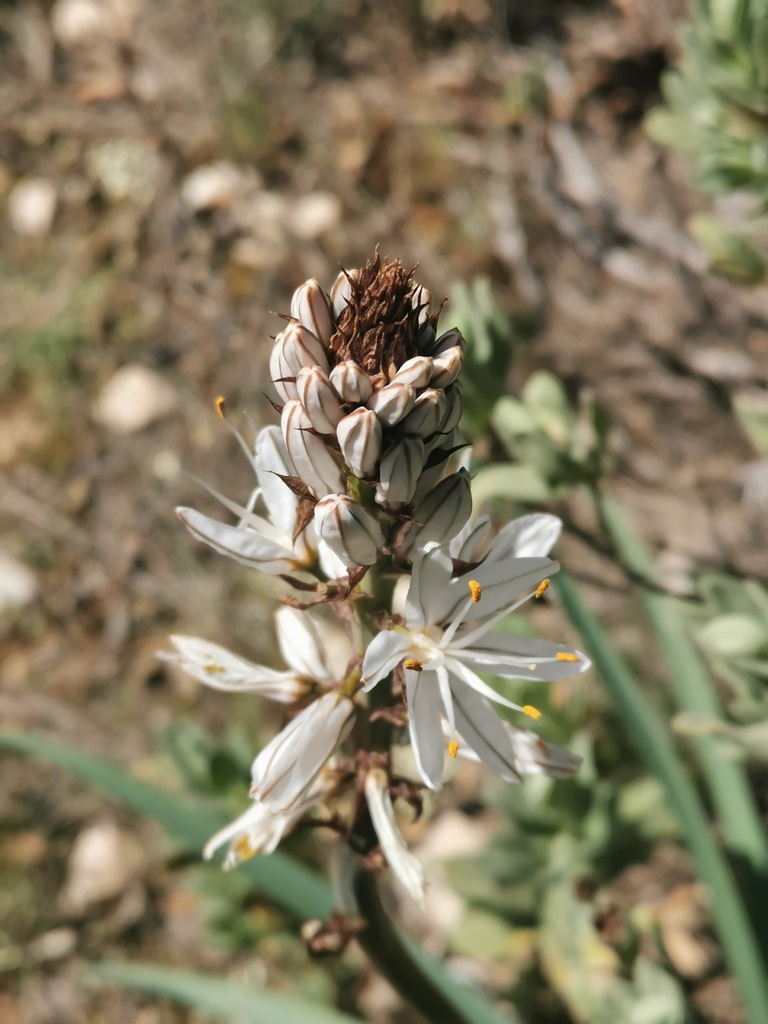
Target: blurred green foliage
[[716, 107]]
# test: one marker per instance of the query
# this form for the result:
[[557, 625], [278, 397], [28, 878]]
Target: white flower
[[265, 542], [447, 637], [261, 828], [404, 865], [298, 634], [286, 778]]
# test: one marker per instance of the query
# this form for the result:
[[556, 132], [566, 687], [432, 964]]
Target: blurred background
[[169, 172]]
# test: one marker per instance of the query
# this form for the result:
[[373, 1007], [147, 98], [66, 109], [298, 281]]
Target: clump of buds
[[372, 403]]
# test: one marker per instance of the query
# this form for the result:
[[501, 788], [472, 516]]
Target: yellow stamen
[[243, 848], [220, 404], [453, 748], [412, 664], [542, 588], [567, 656], [475, 590], [213, 668], [531, 711]]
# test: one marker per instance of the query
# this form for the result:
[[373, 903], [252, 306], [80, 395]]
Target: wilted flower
[[267, 542], [402, 862], [285, 778]]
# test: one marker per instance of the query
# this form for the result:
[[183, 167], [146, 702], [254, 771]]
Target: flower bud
[[294, 348], [427, 413], [359, 437], [309, 305], [447, 367], [399, 472], [392, 402], [454, 398], [351, 383], [319, 399], [341, 291], [416, 372], [441, 514], [420, 300], [313, 461], [448, 340], [348, 530]]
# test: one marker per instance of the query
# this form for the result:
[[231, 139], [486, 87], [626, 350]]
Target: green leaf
[[279, 878], [652, 738], [516, 483], [226, 999]]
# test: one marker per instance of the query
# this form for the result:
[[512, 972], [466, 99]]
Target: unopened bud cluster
[[372, 403]]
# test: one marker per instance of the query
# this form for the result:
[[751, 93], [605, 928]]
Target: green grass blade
[[652, 738], [694, 692], [226, 999], [279, 878]]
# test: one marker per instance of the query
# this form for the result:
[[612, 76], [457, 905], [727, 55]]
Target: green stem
[[653, 740], [389, 953], [694, 692]]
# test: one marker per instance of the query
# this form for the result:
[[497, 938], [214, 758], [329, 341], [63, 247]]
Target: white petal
[[289, 764], [423, 696], [467, 543], [528, 536], [272, 461], [466, 675], [253, 818], [536, 757], [501, 583], [220, 669], [405, 866], [245, 546], [300, 644], [429, 581], [481, 728], [384, 653], [520, 657]]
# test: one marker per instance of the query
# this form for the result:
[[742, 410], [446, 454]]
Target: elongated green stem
[[653, 740], [392, 957], [693, 690]]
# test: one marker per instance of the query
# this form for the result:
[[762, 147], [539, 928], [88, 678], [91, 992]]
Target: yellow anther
[[412, 664], [243, 848], [475, 590], [567, 656], [212, 669], [531, 711], [220, 404], [453, 748], [542, 588]]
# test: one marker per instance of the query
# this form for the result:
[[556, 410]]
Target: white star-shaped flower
[[265, 542], [446, 640]]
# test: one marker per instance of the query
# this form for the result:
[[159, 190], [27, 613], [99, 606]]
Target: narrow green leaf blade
[[227, 999], [282, 880], [653, 740]]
